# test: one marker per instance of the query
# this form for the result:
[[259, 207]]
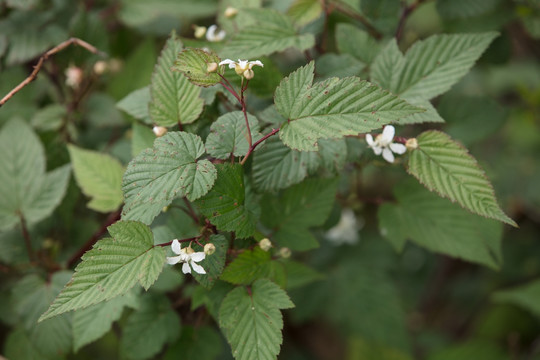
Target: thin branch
[[111, 219], [190, 211], [196, 239], [27, 240], [407, 11], [252, 147], [343, 8], [243, 103], [227, 85], [44, 57]]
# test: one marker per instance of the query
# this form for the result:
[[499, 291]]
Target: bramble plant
[[296, 158]]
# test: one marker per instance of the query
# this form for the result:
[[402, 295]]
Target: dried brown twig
[[44, 57]]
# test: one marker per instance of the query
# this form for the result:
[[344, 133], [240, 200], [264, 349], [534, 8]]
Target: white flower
[[346, 230], [242, 67], [383, 144], [188, 257], [213, 35]]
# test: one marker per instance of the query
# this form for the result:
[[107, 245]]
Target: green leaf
[[305, 11], [93, 322], [136, 104], [32, 295], [276, 166], [169, 170], [111, 268], [444, 166], [334, 65], [333, 108], [299, 275], [454, 9], [463, 114], [252, 322], [143, 138], [525, 296], [26, 190], [99, 176], [440, 226], [193, 63], [252, 265], [268, 32], [294, 210], [150, 327], [49, 118], [431, 66], [228, 135], [193, 344], [212, 264], [174, 99], [356, 42], [227, 206]]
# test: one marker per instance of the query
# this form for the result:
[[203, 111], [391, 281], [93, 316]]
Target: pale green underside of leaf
[[143, 138], [305, 11], [136, 104], [26, 190], [356, 42], [193, 63], [169, 170], [333, 108], [440, 226], [174, 98], [444, 166], [228, 135], [252, 322], [271, 32], [111, 268], [99, 176], [276, 166], [430, 67], [93, 322], [525, 296], [226, 205]]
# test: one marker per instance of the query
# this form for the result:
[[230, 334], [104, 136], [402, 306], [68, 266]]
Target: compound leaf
[[111, 268]]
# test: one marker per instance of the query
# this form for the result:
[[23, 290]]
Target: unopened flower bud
[[159, 130], [212, 67], [165, 209], [209, 249], [265, 244], [411, 144], [74, 76], [230, 12], [189, 250], [100, 67], [200, 31], [285, 252], [249, 74]]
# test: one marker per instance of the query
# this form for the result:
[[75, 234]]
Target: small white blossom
[[188, 257], [213, 35], [383, 144], [230, 12], [242, 67], [199, 31], [346, 230]]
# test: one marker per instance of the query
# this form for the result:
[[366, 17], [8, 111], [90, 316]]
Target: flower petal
[[387, 155], [186, 269], [232, 64], [398, 148], [256, 62], [171, 260], [176, 247], [198, 256], [387, 134], [369, 140], [377, 150], [198, 268]]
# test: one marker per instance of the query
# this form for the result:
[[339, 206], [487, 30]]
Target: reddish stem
[[252, 148]]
